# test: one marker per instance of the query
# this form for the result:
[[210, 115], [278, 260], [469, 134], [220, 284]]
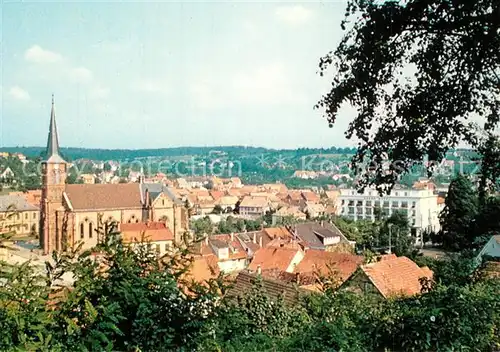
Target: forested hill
[[121, 154]]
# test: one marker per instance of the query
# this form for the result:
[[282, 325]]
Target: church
[[73, 213]]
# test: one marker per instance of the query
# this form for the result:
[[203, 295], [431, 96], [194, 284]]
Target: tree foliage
[[457, 217], [128, 300], [416, 71]]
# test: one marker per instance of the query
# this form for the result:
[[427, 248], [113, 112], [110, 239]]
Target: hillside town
[[285, 235], [250, 176]]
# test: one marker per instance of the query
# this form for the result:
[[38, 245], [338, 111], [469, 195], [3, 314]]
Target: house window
[[91, 230], [82, 231], [158, 250], [34, 215], [26, 216], [167, 246], [163, 202], [17, 216]]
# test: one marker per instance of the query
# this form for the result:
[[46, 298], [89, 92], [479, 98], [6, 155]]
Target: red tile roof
[[272, 258], [152, 232], [238, 253], [273, 288], [274, 232], [254, 202], [321, 261], [310, 196], [396, 276], [216, 194], [203, 268], [285, 243], [104, 196]]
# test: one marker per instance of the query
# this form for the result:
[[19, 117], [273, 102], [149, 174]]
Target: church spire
[[52, 154]]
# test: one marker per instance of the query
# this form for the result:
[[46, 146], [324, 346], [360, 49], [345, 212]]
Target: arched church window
[[82, 231], [91, 229]]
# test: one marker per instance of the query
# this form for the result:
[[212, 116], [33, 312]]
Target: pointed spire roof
[[52, 154]]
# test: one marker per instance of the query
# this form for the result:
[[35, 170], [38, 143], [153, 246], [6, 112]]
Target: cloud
[[265, 84], [150, 86], [204, 95], [80, 75], [250, 28], [18, 93], [38, 55], [268, 84], [99, 93], [294, 15], [110, 46]]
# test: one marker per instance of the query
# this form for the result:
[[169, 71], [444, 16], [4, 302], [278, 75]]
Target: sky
[[168, 74]]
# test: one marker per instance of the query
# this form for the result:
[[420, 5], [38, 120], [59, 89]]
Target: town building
[[254, 207], [156, 235], [490, 251], [270, 258], [6, 175], [390, 277], [88, 179], [322, 236], [420, 205], [18, 216], [73, 213], [288, 212]]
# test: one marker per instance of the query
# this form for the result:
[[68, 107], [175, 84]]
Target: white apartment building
[[421, 206]]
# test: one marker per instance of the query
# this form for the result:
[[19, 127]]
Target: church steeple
[[52, 153], [54, 172]]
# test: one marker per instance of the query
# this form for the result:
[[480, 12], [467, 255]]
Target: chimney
[[297, 278], [259, 270], [254, 238], [322, 223], [206, 240], [260, 241], [232, 236]]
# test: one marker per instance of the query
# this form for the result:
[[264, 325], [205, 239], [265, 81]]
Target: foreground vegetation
[[130, 301]]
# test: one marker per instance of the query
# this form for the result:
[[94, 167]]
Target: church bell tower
[[54, 170]]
